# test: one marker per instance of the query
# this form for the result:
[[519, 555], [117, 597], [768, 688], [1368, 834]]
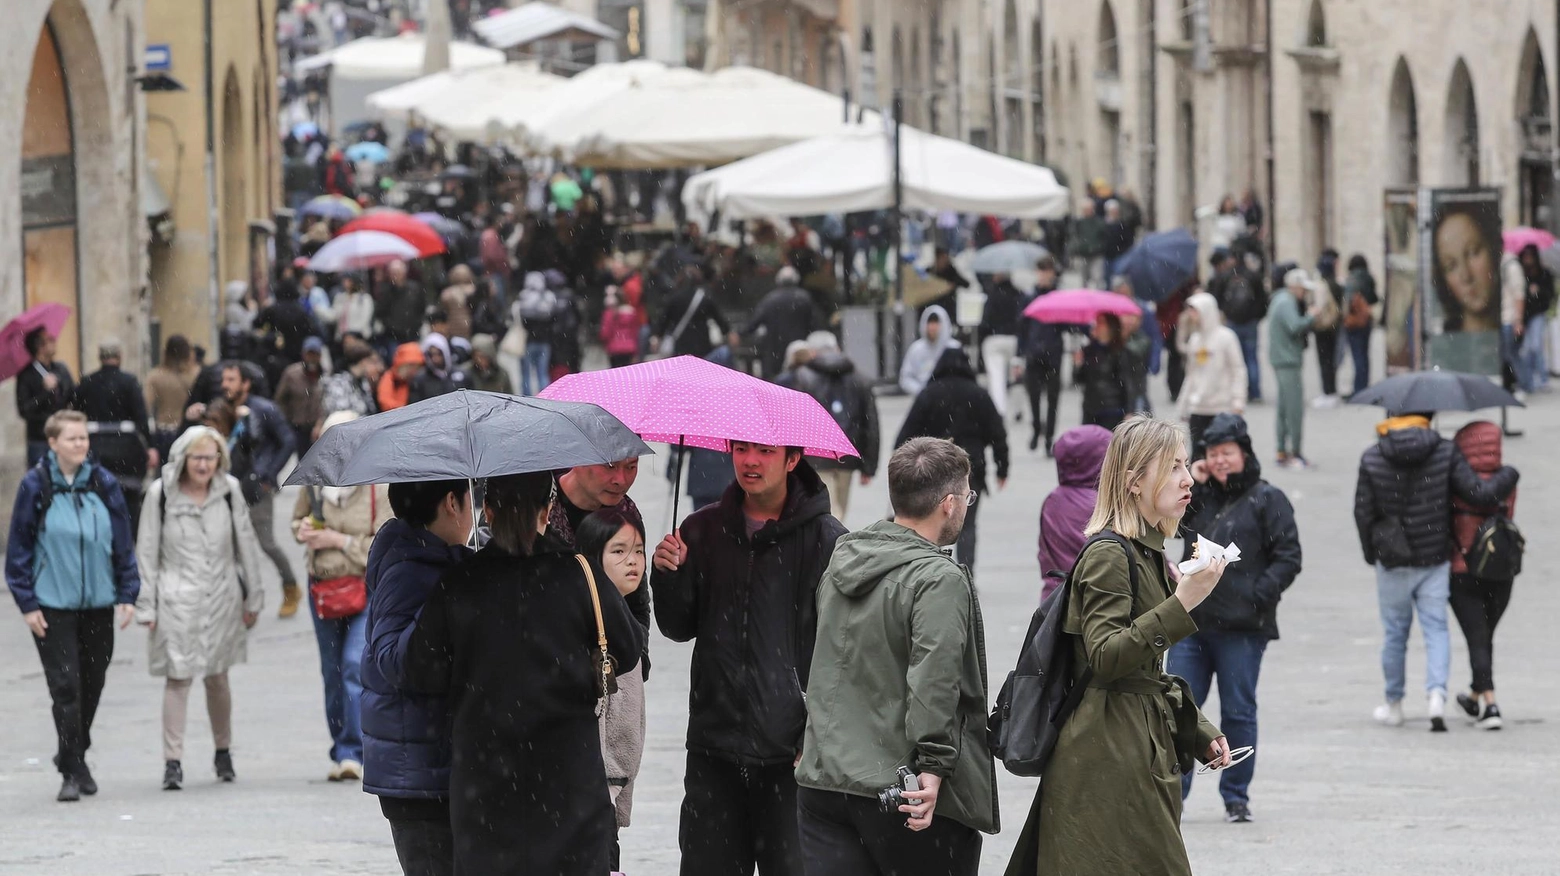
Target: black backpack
[[1243, 299], [1041, 691], [1496, 551]]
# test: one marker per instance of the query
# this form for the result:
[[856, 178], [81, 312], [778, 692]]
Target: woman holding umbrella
[[526, 789]]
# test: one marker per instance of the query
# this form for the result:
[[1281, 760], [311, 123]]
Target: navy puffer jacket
[[406, 743]]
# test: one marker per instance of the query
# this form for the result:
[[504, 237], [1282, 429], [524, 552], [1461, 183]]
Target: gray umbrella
[[1430, 391], [466, 434], [1007, 257]]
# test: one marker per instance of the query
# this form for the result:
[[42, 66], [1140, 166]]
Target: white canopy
[[539, 21], [469, 104], [680, 117], [852, 171], [395, 58]]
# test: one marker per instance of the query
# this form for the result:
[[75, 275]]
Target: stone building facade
[[72, 228]]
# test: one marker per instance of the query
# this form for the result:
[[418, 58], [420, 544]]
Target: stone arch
[[1460, 146], [1108, 42], [1532, 81], [1402, 128], [1316, 26], [68, 169], [231, 172]]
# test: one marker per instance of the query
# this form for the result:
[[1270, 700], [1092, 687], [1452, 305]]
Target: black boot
[[224, 764], [1034, 439], [173, 776], [85, 782], [70, 792]]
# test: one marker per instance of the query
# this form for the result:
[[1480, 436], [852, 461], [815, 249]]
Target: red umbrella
[[1079, 306], [13, 338], [409, 228], [693, 403]]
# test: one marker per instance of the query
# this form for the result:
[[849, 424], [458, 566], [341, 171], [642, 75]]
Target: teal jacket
[[899, 675], [74, 551], [1287, 328]]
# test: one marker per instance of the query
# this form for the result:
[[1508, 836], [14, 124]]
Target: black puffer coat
[[1403, 503], [1257, 517], [955, 407], [751, 607]]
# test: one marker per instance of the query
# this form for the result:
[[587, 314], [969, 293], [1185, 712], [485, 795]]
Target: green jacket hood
[[876, 551]]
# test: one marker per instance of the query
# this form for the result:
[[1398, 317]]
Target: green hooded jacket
[[899, 675]]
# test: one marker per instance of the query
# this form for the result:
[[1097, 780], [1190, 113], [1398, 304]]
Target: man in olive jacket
[[899, 679]]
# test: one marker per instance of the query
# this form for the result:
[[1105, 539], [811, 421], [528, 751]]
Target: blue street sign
[[159, 58]]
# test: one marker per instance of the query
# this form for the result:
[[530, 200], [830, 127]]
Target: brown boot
[[292, 594]]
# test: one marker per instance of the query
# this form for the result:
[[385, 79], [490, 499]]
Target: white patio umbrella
[[469, 104], [578, 95], [685, 117], [852, 171], [396, 58], [359, 250]]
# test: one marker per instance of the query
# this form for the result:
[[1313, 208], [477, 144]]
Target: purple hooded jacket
[[1080, 453]]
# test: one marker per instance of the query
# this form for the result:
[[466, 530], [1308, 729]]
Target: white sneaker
[[1324, 402], [335, 773], [1390, 714], [351, 771], [1437, 711]]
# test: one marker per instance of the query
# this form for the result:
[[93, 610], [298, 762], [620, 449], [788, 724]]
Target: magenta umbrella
[[1079, 306], [689, 402], [1516, 239], [13, 338]]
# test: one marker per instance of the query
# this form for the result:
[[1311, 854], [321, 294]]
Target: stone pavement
[[1334, 792]]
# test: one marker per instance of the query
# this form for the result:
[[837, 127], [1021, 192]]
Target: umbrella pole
[[677, 481], [1506, 429]]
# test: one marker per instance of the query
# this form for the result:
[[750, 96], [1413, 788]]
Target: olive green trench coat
[[1110, 798]]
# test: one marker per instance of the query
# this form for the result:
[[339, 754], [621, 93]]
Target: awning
[[539, 21], [469, 103], [399, 57]]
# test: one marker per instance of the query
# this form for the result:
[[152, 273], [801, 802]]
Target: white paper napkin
[[1206, 553]]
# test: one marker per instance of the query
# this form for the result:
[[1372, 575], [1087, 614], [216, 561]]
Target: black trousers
[[735, 817], [1478, 605], [1175, 368], [303, 438], [846, 835], [75, 652], [1042, 376], [424, 843], [964, 548], [134, 499], [1327, 359]]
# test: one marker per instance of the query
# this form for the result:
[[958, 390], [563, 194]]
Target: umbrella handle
[[677, 481]]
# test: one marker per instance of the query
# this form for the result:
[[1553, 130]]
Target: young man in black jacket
[[953, 406], [1403, 510], [262, 444], [1233, 504], [118, 426], [740, 577], [43, 387]]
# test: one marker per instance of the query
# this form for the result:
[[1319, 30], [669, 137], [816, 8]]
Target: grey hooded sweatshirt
[[921, 358]]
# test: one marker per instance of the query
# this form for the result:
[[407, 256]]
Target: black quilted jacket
[[1402, 505]]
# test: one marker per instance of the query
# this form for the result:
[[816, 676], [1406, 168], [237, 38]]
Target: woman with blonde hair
[[1111, 799], [336, 525], [200, 590]]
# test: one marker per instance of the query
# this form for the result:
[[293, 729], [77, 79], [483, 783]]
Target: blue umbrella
[[331, 207], [368, 150], [305, 130], [1160, 264]]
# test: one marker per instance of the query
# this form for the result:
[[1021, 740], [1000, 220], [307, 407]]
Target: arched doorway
[[1108, 62], [1402, 129], [48, 194], [1316, 26], [1534, 128], [1460, 148]]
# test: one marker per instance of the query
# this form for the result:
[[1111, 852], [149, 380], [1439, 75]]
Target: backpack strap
[[1108, 535]]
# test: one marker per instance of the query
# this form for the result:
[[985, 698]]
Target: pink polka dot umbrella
[[689, 402]]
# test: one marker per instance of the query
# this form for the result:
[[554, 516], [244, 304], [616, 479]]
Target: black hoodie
[[750, 605], [1402, 504], [953, 406]]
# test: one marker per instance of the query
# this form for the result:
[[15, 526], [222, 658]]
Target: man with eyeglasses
[[739, 578], [901, 651], [953, 406]]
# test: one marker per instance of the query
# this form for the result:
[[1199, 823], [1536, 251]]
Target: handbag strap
[[595, 603], [693, 307]]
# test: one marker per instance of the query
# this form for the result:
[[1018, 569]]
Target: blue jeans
[[1511, 355], [1236, 658], [1533, 370], [537, 359], [1359, 349], [1401, 592], [1247, 332], [341, 644]]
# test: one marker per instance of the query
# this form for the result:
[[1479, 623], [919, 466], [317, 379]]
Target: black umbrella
[[466, 434], [1430, 391]]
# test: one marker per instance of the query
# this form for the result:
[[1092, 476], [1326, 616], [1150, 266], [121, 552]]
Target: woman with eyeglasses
[[511, 637], [200, 590], [1111, 799]]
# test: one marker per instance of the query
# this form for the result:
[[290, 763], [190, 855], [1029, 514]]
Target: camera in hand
[[892, 797]]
